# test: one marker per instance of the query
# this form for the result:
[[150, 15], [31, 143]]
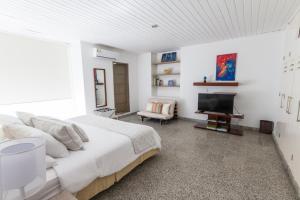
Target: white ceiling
[[126, 24]]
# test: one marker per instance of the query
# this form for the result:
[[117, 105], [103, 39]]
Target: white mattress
[[111, 152]]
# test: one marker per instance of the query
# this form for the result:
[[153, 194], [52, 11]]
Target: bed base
[[103, 183]]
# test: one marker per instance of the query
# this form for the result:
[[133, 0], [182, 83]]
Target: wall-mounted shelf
[[216, 83], [165, 73], [164, 63], [171, 74], [166, 86]]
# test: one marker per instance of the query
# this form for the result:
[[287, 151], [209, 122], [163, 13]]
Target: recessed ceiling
[[127, 24]]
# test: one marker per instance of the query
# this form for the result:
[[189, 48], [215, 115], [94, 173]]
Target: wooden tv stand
[[220, 122]]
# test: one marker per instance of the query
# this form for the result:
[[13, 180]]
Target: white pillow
[[50, 162], [60, 131], [166, 109], [149, 107], [83, 136], [25, 118], [53, 147], [7, 119]]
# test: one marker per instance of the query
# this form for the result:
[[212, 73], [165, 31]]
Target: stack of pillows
[[60, 136], [159, 108]]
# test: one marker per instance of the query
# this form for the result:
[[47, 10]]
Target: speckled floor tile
[[196, 164]]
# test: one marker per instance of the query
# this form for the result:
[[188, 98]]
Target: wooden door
[[121, 87]]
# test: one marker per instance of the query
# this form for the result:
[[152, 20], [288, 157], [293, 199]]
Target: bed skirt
[[103, 183]]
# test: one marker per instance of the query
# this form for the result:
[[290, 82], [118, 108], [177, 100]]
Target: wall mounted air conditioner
[[102, 53]]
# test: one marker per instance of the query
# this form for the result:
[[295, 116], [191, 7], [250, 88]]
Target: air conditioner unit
[[102, 53]]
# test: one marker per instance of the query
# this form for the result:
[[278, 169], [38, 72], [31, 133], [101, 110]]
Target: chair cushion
[[157, 107], [149, 107], [154, 115], [164, 101], [166, 109]]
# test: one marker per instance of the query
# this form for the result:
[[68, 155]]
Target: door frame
[[128, 91]]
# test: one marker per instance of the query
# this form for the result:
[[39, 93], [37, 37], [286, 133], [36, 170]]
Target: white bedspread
[[142, 137], [106, 153]]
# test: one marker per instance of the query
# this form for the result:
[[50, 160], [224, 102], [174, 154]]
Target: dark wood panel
[[121, 87]]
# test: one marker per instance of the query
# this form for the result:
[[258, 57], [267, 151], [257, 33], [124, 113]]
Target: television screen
[[222, 103]]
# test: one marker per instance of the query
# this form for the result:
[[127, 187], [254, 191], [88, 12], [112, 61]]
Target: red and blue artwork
[[226, 66]]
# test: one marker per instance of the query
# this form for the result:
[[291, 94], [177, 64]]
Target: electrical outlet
[[292, 157]]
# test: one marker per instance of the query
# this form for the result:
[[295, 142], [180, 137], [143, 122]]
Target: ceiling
[[126, 24]]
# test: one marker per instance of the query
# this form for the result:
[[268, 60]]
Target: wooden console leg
[[142, 118]]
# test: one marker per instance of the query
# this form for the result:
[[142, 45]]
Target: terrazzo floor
[[196, 164]]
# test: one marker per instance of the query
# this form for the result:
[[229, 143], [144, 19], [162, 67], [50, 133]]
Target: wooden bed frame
[[103, 183]]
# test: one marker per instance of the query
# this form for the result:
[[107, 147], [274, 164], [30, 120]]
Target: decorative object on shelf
[[23, 167], [204, 79], [168, 71], [226, 67], [161, 83], [169, 57], [172, 83], [157, 82]]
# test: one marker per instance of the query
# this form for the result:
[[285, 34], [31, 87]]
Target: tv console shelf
[[220, 122]]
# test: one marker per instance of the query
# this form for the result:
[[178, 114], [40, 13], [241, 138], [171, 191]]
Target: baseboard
[[125, 115], [286, 167], [188, 119], [248, 128]]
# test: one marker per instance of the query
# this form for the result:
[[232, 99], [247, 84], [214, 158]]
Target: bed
[[107, 157]]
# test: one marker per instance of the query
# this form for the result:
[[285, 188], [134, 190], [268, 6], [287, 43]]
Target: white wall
[[144, 79], [258, 66], [90, 62], [258, 70]]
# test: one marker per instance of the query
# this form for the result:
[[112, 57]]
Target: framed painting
[[226, 67]]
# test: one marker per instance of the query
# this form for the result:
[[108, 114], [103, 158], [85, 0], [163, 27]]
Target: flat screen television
[[222, 103]]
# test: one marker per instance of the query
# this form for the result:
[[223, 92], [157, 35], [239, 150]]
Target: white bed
[[106, 153]]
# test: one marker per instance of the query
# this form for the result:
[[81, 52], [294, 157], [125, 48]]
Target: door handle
[[298, 115], [288, 106], [281, 101]]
